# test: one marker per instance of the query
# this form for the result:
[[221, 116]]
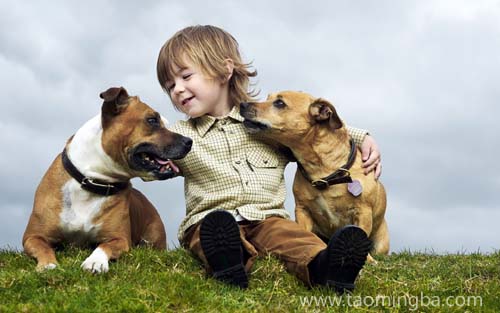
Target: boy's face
[[195, 94]]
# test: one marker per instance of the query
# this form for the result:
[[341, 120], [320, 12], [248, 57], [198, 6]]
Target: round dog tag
[[355, 188]]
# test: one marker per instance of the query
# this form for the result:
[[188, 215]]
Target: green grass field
[[172, 281]]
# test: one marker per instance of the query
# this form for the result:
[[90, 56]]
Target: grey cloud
[[421, 76]]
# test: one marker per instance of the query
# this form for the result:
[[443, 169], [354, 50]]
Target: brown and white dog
[[86, 198], [330, 188]]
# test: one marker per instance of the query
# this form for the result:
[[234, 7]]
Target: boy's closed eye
[[171, 86]]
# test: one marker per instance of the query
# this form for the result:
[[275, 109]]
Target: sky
[[421, 76]]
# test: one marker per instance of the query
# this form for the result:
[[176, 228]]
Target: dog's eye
[[279, 104], [154, 121]]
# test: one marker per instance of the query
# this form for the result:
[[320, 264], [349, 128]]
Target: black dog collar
[[340, 176], [93, 185]]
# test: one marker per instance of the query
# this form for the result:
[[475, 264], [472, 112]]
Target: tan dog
[[85, 197], [330, 188]]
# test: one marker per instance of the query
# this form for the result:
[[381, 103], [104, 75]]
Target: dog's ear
[[115, 101], [321, 111]]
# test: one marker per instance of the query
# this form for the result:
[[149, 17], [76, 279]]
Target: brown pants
[[280, 237]]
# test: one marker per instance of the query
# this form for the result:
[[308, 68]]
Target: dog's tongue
[[161, 161], [165, 162], [173, 166]]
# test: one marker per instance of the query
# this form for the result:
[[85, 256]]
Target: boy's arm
[[369, 150]]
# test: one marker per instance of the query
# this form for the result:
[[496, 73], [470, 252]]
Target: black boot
[[221, 244], [340, 263]]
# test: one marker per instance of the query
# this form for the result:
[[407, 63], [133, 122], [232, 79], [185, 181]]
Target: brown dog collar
[[93, 185], [340, 176]]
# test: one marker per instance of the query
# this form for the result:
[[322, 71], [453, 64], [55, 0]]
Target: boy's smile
[[195, 94], [187, 100]]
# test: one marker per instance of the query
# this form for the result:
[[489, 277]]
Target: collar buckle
[[320, 184], [96, 186], [89, 182], [340, 176]]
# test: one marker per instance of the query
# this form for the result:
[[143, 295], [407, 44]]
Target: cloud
[[421, 76]]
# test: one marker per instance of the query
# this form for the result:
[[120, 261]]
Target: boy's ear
[[321, 111], [229, 64], [115, 101]]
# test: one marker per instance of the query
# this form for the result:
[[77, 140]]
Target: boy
[[234, 184]]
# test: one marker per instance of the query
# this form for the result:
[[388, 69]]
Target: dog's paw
[[97, 262], [371, 260], [45, 267]]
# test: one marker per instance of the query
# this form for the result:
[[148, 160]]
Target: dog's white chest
[[80, 207]]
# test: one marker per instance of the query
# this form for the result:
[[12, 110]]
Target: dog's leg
[[380, 239], [153, 232], [39, 248], [303, 218], [97, 262], [365, 221], [155, 235]]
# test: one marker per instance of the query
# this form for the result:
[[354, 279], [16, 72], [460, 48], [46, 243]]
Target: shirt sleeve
[[357, 134]]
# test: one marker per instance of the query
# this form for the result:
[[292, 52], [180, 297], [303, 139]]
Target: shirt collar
[[205, 122]]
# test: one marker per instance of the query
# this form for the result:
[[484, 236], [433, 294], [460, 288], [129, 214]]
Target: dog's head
[[288, 116], [134, 136]]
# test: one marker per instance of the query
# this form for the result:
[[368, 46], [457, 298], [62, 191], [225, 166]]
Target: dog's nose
[[244, 105], [188, 142], [245, 108]]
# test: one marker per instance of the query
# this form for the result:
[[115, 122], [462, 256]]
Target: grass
[[172, 281]]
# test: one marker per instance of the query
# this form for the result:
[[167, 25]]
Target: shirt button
[[265, 161], [237, 162]]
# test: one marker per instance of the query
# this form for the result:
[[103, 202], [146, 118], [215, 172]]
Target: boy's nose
[[179, 88]]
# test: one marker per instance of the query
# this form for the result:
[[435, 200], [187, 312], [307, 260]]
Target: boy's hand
[[371, 156]]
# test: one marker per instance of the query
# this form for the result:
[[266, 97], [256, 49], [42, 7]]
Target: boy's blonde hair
[[208, 47]]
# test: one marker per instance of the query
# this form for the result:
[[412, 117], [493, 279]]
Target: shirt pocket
[[266, 170], [260, 158]]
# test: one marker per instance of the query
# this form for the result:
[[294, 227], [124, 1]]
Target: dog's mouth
[[148, 158], [254, 126], [153, 162]]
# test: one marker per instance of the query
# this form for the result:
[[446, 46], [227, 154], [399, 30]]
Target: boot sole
[[347, 252], [221, 244]]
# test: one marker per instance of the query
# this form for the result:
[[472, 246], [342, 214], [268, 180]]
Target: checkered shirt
[[228, 168]]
